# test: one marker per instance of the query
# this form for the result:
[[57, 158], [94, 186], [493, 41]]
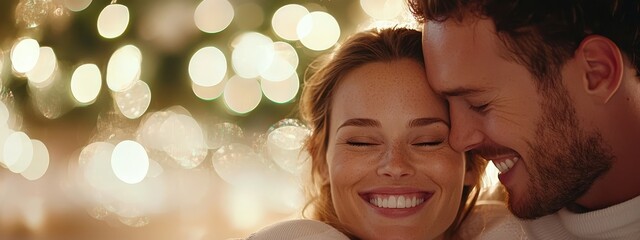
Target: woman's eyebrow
[[419, 122], [360, 122]]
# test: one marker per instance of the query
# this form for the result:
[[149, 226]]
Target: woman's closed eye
[[361, 143]]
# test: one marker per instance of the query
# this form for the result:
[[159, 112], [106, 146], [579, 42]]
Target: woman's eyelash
[[360, 144]]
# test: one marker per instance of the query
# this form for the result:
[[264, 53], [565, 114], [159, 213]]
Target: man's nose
[[466, 132]]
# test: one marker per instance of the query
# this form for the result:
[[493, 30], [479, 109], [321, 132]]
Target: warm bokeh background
[[159, 119]]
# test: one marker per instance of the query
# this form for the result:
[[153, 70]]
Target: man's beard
[[564, 160]]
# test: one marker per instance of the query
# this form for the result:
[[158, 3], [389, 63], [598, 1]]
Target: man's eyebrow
[[419, 122], [461, 91], [360, 122]]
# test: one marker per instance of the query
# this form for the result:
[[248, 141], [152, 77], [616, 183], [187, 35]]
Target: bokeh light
[[284, 144], [113, 20], [184, 140], [86, 83], [207, 67], [318, 31], [18, 151], [241, 166], [130, 162], [40, 162], [25, 54], [77, 5], [285, 21], [242, 95], [212, 16], [383, 9], [252, 54], [284, 63], [282, 91], [42, 73], [134, 101], [124, 68], [220, 134], [208, 93]]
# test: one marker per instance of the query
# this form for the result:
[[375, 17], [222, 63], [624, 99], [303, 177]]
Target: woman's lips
[[396, 203]]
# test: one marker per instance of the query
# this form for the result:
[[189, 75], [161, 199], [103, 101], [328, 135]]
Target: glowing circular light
[[18, 152], [42, 73], [318, 31], [130, 162], [86, 83], [134, 101], [239, 165], [77, 5], [207, 67], [285, 21], [382, 9], [184, 140], [123, 68], [113, 20], [284, 63], [25, 54], [5, 132], [212, 16], [222, 134], [284, 144], [95, 163], [252, 54], [208, 93], [150, 132], [242, 95], [283, 91], [40, 163]]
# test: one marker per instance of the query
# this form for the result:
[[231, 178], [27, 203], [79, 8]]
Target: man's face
[[533, 136]]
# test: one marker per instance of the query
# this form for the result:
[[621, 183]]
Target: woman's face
[[392, 172]]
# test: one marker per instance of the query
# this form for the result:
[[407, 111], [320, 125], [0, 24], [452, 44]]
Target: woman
[[382, 167]]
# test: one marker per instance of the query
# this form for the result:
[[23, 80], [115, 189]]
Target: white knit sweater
[[620, 222]]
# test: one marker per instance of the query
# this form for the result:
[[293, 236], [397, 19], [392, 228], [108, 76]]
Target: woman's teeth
[[396, 201]]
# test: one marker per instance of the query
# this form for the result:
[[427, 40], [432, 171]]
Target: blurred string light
[[284, 143], [383, 9], [208, 93], [207, 67], [77, 5], [242, 95], [21, 154], [252, 54], [113, 20], [282, 91], [318, 31], [86, 83], [32, 13], [124, 68], [212, 16], [41, 75], [129, 162], [285, 21], [24, 55], [134, 101], [284, 63]]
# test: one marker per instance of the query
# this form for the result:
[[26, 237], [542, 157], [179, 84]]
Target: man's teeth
[[506, 165], [396, 201]]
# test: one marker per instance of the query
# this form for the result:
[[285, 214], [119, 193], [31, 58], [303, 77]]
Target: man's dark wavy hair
[[543, 34]]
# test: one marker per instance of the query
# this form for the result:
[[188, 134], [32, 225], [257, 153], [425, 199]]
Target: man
[[549, 91]]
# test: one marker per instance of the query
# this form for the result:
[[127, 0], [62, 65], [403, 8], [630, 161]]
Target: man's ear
[[603, 66]]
